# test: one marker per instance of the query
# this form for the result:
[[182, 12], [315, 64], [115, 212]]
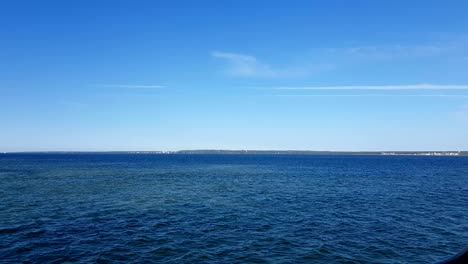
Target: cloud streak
[[249, 66], [373, 95], [453, 47], [376, 87], [132, 86], [324, 59], [393, 52]]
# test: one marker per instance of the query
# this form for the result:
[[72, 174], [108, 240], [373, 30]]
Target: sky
[[283, 75]]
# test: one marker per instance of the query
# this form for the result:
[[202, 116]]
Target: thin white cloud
[[328, 58], [395, 52], [132, 86], [448, 47], [377, 87], [248, 66], [373, 95]]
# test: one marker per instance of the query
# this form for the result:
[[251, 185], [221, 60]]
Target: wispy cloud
[[131, 86], [324, 59], [377, 87], [394, 52], [373, 95], [452, 47], [249, 66]]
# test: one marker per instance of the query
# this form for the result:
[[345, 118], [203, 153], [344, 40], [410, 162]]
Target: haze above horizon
[[311, 75]]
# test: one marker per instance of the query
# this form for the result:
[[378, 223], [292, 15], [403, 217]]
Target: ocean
[[149, 208]]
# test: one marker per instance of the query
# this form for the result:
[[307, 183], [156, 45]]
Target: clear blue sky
[[169, 75]]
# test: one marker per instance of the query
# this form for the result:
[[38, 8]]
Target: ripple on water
[[232, 209]]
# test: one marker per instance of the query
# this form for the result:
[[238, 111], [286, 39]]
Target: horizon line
[[228, 150]]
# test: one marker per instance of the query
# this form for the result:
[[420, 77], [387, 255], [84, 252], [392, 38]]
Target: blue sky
[[170, 75]]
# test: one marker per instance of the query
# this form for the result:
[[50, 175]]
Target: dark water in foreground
[[231, 208]]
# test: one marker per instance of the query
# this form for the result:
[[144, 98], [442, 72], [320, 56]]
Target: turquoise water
[[121, 208]]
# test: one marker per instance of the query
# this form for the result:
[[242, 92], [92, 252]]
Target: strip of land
[[269, 152]]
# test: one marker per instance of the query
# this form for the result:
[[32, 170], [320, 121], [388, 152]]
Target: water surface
[[123, 208]]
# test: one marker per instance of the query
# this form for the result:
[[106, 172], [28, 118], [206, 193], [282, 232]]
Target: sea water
[[133, 208]]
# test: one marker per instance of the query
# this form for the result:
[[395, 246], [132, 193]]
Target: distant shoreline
[[261, 152]]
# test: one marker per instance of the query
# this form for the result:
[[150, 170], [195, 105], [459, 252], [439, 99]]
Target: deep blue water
[[125, 208]]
